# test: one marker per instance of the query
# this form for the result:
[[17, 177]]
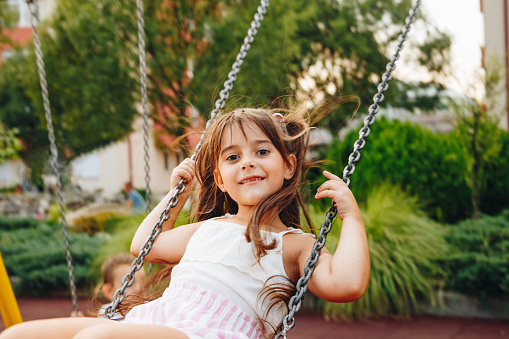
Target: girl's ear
[[290, 167], [108, 291], [219, 180]]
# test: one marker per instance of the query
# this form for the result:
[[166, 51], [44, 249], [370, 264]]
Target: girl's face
[[250, 168]]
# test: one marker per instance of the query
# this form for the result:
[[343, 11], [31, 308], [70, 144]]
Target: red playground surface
[[314, 326]]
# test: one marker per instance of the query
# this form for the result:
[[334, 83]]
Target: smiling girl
[[237, 266]]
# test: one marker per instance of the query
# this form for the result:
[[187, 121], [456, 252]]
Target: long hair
[[288, 137]]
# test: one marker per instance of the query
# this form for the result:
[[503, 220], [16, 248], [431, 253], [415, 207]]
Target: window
[[87, 166]]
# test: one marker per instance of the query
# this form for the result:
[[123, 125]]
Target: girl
[[238, 264]]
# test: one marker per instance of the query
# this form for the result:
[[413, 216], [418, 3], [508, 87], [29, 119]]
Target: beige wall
[[495, 52], [109, 168], [159, 176]]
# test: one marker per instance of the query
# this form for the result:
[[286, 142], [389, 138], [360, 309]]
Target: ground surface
[[313, 326]]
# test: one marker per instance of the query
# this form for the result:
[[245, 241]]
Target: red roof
[[21, 35]]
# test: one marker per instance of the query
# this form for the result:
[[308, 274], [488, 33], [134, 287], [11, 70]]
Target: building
[[496, 49]]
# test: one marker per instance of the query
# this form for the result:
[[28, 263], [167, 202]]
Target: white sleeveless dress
[[214, 289]]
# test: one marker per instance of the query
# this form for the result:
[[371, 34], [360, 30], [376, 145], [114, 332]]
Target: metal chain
[[137, 263], [53, 149], [144, 100], [379, 97], [302, 284]]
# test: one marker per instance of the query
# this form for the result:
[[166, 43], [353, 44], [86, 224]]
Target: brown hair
[[108, 273], [108, 266], [288, 137]]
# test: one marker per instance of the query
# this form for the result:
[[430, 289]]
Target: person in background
[[113, 270], [135, 202]]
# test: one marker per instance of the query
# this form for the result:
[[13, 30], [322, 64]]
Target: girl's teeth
[[250, 180]]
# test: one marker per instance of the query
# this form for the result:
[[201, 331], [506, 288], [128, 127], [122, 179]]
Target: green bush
[[10, 224], [404, 244], [478, 264], [495, 196], [428, 165], [36, 256]]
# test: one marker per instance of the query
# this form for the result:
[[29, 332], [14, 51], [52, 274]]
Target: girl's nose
[[247, 163]]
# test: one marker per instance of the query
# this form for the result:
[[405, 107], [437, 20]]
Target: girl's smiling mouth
[[251, 179]]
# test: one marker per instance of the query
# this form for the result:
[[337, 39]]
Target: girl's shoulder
[[296, 245]]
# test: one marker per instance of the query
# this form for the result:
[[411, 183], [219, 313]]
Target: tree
[[89, 70], [477, 126], [313, 48], [91, 61]]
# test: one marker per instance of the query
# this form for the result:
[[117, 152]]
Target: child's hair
[[109, 265], [289, 137], [108, 276]]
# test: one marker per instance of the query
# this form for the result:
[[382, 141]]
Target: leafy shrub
[[479, 261], [495, 196], [122, 229], [36, 256], [404, 244], [431, 166], [9, 224], [91, 224]]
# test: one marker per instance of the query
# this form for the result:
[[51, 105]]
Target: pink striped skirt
[[197, 313]]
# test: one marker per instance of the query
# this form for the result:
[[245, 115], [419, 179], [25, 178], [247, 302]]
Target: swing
[[301, 286], [51, 135]]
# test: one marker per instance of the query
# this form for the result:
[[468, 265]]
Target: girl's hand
[[184, 171], [338, 191]]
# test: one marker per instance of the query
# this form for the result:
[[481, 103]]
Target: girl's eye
[[262, 152], [232, 157]]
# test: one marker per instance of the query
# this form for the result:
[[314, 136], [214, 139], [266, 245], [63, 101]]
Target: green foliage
[[297, 36], [495, 194], [428, 165], [9, 144], [92, 85], [91, 224], [479, 261], [404, 244], [35, 254], [12, 224], [9, 16], [477, 129], [121, 232]]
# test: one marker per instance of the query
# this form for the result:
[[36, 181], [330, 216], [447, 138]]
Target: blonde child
[[238, 264]]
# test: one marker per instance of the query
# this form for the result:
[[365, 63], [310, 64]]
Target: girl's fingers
[[331, 176], [325, 194]]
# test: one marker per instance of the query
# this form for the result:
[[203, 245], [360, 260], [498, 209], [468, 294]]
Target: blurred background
[[432, 181]]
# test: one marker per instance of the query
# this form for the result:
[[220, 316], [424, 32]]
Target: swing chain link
[[137, 263], [302, 284], [53, 149], [144, 102], [144, 99], [379, 97], [232, 75]]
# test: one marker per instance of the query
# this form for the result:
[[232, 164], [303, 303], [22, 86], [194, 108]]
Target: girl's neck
[[267, 222]]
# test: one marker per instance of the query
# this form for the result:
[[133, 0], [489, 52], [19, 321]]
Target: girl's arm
[[344, 276], [168, 248]]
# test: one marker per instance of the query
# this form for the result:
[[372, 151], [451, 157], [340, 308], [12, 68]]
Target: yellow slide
[[8, 305]]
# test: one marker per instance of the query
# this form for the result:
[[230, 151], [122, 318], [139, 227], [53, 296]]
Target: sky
[[463, 20]]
